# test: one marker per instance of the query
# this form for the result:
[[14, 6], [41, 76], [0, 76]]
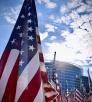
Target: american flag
[[57, 85], [78, 96], [19, 64], [67, 92]]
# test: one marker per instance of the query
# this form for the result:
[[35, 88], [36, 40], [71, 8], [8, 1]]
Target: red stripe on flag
[[48, 89], [44, 77], [31, 91], [10, 90], [3, 61]]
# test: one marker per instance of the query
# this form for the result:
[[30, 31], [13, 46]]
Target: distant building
[[49, 67], [68, 72], [85, 85]]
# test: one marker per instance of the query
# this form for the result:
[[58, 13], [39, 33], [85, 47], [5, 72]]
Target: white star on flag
[[29, 14], [21, 34], [13, 41], [18, 27], [30, 38], [31, 48], [21, 63], [29, 21], [30, 29], [22, 16], [21, 52]]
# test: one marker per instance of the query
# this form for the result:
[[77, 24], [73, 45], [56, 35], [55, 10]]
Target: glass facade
[[85, 85], [66, 72]]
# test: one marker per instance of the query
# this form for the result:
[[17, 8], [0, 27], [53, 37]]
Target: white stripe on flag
[[27, 75], [50, 94], [42, 67], [39, 48], [40, 96], [7, 71], [53, 84]]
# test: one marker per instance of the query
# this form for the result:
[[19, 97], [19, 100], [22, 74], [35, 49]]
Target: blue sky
[[65, 26]]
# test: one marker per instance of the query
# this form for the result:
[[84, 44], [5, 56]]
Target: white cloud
[[82, 8], [43, 35], [51, 5], [52, 17], [50, 28], [63, 19], [52, 37], [73, 4], [89, 2], [63, 52], [81, 42], [76, 48], [48, 3], [64, 9], [39, 1], [10, 19], [66, 19], [90, 69], [65, 33], [74, 15], [12, 14], [79, 21]]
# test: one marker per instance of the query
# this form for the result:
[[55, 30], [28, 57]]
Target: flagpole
[[54, 69], [54, 59]]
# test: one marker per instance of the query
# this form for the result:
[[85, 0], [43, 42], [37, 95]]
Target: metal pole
[[54, 69], [54, 58]]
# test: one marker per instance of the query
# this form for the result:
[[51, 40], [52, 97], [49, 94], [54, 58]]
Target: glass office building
[[85, 85], [69, 75]]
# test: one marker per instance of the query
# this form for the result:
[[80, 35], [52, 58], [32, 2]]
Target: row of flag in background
[[23, 76]]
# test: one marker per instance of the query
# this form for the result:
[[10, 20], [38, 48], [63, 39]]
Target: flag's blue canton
[[23, 36]]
